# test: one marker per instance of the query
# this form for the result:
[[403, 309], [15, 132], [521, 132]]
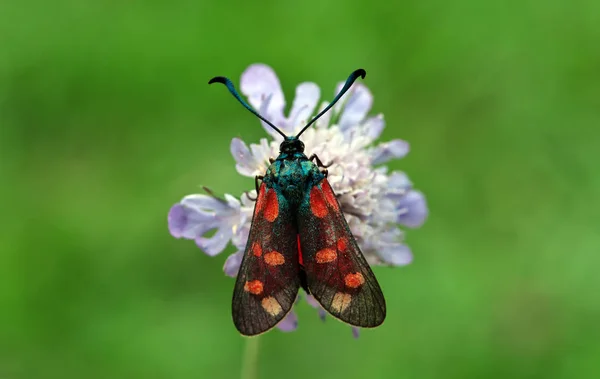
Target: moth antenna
[[360, 72], [225, 81]]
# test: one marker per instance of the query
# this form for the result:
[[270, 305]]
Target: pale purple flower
[[289, 322], [374, 200]]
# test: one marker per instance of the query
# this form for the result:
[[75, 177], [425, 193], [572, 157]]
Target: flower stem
[[250, 359]]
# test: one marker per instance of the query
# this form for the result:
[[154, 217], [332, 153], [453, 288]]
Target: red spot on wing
[[354, 280], [342, 244], [274, 258], [329, 195], [317, 203], [255, 287], [271, 206], [260, 201], [325, 255], [256, 249]]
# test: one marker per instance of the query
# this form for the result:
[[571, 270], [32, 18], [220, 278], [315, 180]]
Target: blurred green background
[[106, 121]]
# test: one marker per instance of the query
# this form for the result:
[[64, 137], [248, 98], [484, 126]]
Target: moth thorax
[[293, 193]]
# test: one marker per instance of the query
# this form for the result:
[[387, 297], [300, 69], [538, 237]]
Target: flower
[[374, 200]]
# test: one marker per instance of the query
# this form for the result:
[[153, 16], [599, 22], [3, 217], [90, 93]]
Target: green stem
[[250, 359]]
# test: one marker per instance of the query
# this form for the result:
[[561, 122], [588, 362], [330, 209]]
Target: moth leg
[[256, 179], [318, 161], [320, 164]]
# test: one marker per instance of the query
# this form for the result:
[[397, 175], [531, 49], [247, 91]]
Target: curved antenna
[[231, 88], [360, 72]]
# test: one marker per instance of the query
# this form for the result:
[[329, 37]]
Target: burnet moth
[[300, 238]]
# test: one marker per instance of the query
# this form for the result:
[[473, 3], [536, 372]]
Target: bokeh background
[[106, 121]]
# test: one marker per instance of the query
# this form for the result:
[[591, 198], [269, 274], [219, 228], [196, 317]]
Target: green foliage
[[106, 121]]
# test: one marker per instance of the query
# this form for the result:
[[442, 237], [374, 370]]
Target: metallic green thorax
[[292, 174]]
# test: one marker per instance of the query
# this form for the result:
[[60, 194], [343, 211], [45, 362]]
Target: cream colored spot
[[271, 306], [255, 287], [274, 258], [341, 301]]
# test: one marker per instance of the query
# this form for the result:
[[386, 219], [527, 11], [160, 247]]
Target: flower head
[[374, 200]]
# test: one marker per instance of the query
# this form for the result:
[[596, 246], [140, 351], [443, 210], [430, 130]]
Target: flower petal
[[201, 202], [289, 322], [315, 304], [277, 121], [188, 222], [178, 220], [390, 150], [312, 301], [398, 182], [232, 263], [413, 208], [322, 314], [396, 254], [262, 152], [240, 234], [258, 82], [373, 126], [246, 163], [357, 107], [217, 243], [307, 97], [232, 202]]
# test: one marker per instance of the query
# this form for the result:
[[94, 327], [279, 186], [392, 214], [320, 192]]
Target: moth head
[[291, 145]]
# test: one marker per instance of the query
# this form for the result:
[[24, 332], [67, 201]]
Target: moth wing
[[337, 273], [267, 283]]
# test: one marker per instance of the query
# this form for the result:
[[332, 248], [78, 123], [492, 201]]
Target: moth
[[300, 238]]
